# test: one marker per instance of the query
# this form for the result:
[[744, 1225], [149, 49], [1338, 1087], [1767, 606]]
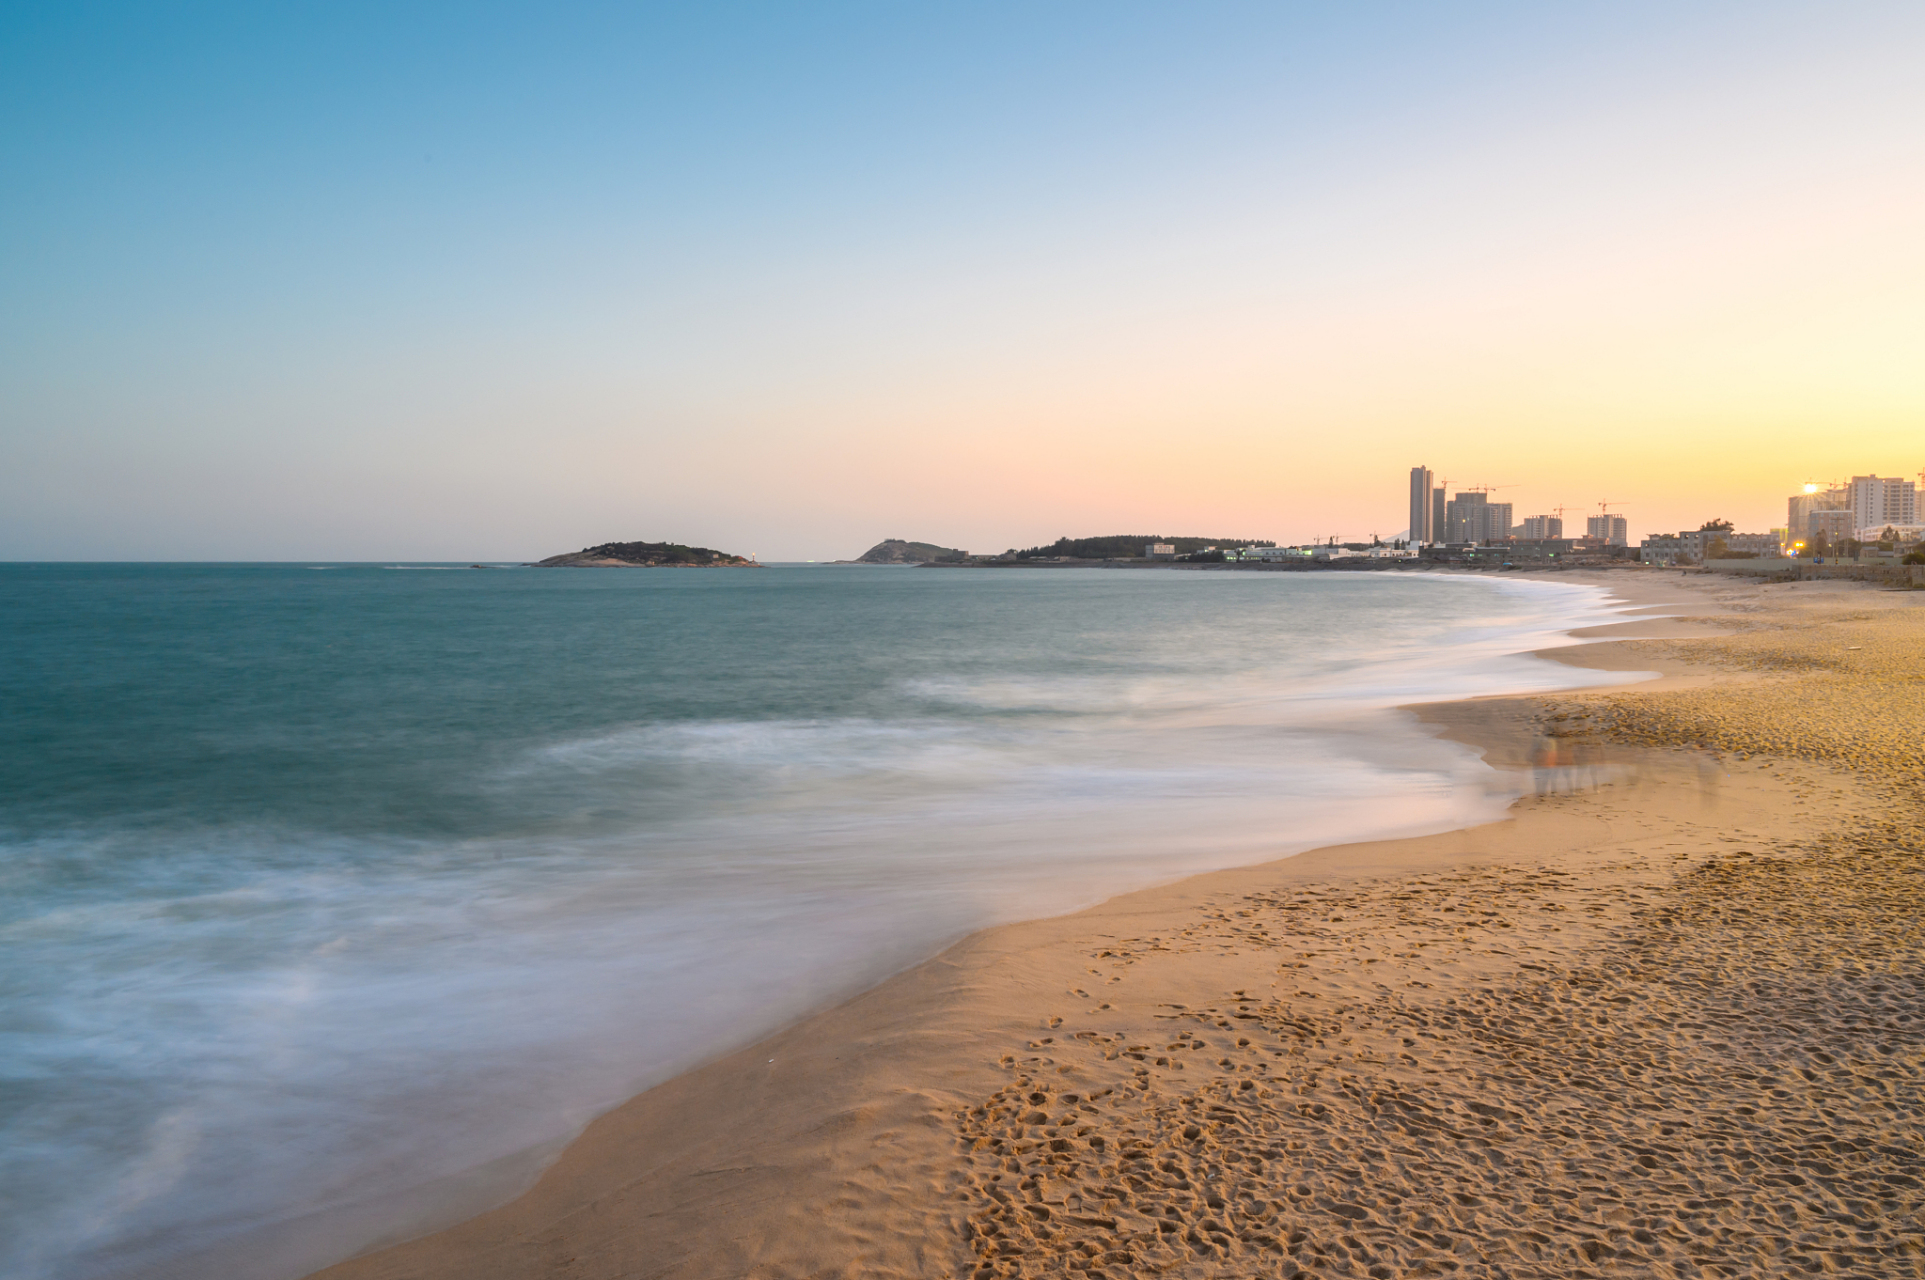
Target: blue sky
[[495, 281]]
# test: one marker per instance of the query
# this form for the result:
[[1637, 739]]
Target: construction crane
[[1487, 488]]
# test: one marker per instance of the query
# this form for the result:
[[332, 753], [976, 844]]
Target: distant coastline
[[1339, 564], [1146, 551], [1159, 551]]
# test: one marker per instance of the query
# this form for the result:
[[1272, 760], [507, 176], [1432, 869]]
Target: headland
[[1663, 1019]]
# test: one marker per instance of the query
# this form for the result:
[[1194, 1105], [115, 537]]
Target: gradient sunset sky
[[484, 281]]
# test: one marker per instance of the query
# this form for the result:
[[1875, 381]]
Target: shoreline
[[874, 1136]]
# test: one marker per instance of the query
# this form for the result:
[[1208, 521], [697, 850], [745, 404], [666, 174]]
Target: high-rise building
[[1802, 505], [1834, 526], [1422, 479], [1610, 529], [1537, 528], [1439, 505], [1473, 517], [1885, 500], [1458, 516]]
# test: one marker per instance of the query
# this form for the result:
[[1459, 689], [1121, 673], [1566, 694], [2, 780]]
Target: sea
[[338, 897]]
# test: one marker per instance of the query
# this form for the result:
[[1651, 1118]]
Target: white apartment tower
[[1421, 507], [1537, 528], [1876, 501]]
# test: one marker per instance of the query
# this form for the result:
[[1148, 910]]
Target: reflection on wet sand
[[1567, 767]]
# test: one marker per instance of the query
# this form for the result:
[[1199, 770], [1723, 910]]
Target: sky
[[496, 281]]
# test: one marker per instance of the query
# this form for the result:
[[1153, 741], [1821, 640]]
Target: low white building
[[1664, 549], [1896, 532], [1757, 544]]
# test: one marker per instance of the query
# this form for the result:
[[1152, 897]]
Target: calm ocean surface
[[336, 898]]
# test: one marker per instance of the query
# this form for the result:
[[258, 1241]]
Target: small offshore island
[[647, 555], [899, 551]]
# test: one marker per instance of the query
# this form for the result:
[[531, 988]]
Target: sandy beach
[[1666, 1018]]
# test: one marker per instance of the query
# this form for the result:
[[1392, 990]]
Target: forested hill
[[1122, 545], [643, 555], [899, 551]]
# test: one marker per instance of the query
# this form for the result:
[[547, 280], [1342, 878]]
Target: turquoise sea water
[[337, 896]]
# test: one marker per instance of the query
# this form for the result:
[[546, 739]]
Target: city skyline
[[361, 283], [1863, 508]]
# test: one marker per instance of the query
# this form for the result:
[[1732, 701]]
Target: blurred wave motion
[[336, 902]]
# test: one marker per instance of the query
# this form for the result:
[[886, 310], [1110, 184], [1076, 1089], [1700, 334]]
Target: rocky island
[[646, 555], [897, 551]]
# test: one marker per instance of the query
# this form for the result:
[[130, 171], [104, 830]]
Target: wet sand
[[1667, 1018]]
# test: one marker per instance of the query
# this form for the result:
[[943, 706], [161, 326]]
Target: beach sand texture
[[1666, 1019], [1730, 1088]]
